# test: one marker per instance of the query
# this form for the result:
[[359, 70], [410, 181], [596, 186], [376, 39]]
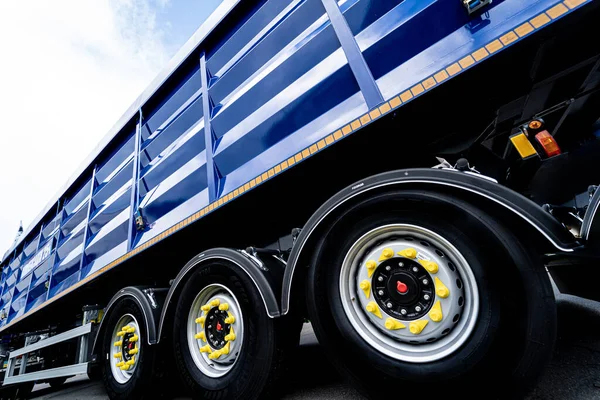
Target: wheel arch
[[148, 299], [251, 265], [478, 190]]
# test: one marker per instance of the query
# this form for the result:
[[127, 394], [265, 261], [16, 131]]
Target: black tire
[[514, 333], [143, 380], [259, 366], [23, 391], [57, 382]]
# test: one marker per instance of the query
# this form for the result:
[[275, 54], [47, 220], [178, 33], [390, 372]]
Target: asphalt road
[[574, 372]]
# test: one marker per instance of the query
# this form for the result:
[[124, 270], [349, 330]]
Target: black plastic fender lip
[[530, 212]]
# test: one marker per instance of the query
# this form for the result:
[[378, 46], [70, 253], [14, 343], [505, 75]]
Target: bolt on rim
[[409, 293], [125, 351], [215, 330]]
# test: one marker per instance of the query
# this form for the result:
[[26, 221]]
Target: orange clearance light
[[548, 143], [535, 124]]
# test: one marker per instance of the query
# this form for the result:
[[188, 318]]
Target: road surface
[[574, 373]]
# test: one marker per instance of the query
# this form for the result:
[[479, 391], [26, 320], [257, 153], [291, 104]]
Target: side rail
[[81, 332]]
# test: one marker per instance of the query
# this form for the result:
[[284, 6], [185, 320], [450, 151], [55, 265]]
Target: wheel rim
[[126, 350], [389, 263], [215, 330]]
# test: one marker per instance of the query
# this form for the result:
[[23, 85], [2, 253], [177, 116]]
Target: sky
[[68, 70]]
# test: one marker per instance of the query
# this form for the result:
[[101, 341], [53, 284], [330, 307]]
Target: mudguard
[[263, 274], [590, 229], [464, 184], [150, 301]]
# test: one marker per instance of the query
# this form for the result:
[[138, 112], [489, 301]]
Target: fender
[[590, 229], [459, 182], [255, 268], [149, 300]]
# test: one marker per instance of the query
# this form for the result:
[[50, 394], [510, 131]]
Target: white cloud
[[69, 70]]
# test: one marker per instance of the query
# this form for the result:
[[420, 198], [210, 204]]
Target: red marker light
[[548, 143], [401, 287], [219, 327]]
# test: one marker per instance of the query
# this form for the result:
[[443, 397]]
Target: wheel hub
[[409, 293], [125, 350], [403, 288], [216, 328]]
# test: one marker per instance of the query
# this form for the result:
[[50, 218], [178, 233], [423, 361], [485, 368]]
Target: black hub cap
[[127, 346], [216, 328], [403, 284]]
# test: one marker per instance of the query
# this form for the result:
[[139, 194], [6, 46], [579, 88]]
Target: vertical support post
[[55, 254], [23, 364], [87, 220], [37, 247], [209, 140], [135, 182], [10, 368], [83, 348], [358, 65]]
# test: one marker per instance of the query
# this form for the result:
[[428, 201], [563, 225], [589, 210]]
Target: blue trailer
[[283, 167]]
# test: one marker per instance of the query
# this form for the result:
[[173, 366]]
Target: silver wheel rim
[[214, 361], [126, 338], [438, 338]]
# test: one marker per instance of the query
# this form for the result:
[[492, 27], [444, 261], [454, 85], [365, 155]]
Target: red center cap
[[401, 287], [219, 327]]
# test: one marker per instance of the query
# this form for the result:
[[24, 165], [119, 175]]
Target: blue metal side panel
[[292, 81], [283, 84], [173, 176]]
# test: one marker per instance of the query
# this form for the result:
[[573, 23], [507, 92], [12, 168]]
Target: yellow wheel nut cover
[[440, 289], [366, 287], [205, 349], [436, 312], [133, 352], [373, 308], [230, 319], [408, 253], [215, 354], [371, 265], [119, 343], [118, 355], [124, 367], [200, 335], [205, 307], [393, 325], [225, 350], [120, 334], [385, 254], [201, 320], [417, 327], [230, 337], [215, 303], [224, 307], [430, 266], [134, 338], [119, 364]]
